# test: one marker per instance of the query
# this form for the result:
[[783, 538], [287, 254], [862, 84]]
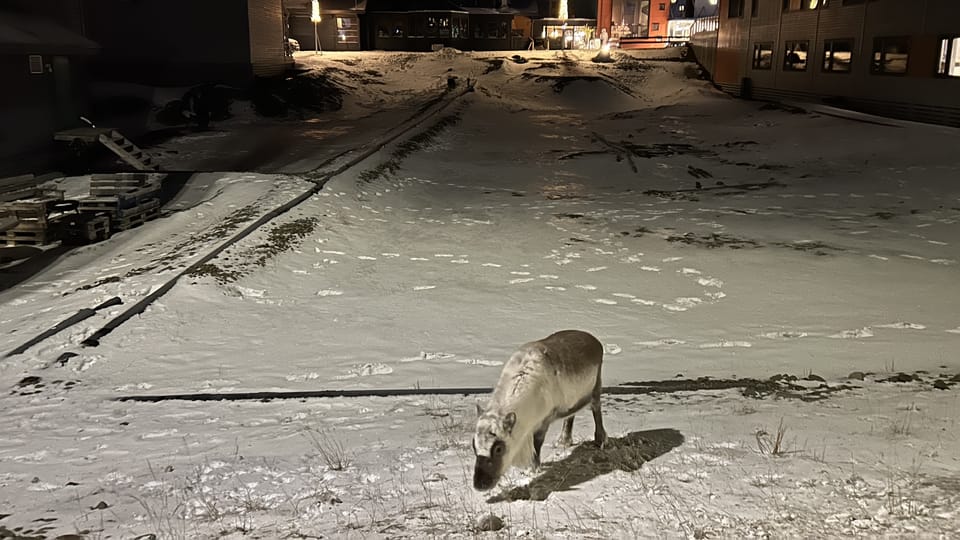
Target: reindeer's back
[[572, 352]]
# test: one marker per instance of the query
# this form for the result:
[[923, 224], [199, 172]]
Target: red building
[[635, 24]]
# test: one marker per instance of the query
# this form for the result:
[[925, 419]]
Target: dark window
[[656, 25], [762, 55], [837, 55], [890, 55], [754, 8], [36, 64], [948, 62], [801, 5], [735, 8], [663, 7], [795, 55]]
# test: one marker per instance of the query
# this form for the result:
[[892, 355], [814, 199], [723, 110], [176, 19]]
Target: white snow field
[[694, 234]]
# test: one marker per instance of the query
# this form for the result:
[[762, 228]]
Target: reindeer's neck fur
[[522, 389]]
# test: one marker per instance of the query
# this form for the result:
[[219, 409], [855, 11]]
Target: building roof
[[332, 7], [392, 6], [29, 34]]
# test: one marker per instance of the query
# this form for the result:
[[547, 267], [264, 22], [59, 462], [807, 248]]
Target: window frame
[[953, 48], [876, 67], [785, 66], [735, 9], [785, 6], [828, 49], [757, 57]]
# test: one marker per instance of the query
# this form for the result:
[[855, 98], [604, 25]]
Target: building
[[681, 17], [43, 62], [185, 42], [337, 30], [635, 24], [899, 58], [417, 25]]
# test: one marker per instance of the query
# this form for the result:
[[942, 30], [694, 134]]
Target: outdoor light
[[315, 19]]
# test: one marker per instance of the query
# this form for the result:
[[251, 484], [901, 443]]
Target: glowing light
[[605, 48], [315, 11], [564, 12]]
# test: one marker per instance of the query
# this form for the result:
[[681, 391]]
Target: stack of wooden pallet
[[127, 199], [28, 219]]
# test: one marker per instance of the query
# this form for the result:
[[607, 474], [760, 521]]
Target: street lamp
[[315, 19]]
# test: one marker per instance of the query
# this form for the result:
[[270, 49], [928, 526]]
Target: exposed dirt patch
[[778, 386], [493, 64], [559, 82], [713, 240], [280, 238], [311, 91], [407, 147]]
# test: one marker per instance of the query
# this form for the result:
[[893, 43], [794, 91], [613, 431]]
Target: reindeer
[[542, 382]]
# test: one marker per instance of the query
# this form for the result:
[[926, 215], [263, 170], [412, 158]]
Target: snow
[[814, 246]]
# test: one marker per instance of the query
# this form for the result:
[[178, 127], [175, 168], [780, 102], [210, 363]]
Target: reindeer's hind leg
[[599, 434], [566, 436]]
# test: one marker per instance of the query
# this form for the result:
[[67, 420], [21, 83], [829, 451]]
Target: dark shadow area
[[13, 275], [586, 462]]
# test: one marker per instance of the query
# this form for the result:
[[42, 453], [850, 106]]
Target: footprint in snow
[[612, 348], [857, 333], [519, 280], [365, 370], [786, 334], [954, 330], [900, 325], [664, 342], [605, 301], [724, 344], [329, 292], [480, 362], [424, 287], [428, 356]]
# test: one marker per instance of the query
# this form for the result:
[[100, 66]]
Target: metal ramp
[[123, 147]]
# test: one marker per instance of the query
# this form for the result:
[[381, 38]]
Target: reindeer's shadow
[[586, 462]]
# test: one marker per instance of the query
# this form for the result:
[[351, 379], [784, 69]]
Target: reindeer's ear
[[479, 410], [509, 421]]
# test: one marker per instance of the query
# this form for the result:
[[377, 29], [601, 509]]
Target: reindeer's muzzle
[[486, 473]]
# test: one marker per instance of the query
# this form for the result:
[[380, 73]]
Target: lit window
[[890, 55], [948, 64], [762, 55], [801, 5], [837, 55], [795, 55]]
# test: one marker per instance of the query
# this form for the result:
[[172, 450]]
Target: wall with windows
[[421, 30], [895, 57]]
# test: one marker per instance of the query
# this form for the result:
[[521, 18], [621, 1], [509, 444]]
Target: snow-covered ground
[[695, 235]]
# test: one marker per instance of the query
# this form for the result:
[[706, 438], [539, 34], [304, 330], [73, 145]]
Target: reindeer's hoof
[[600, 441]]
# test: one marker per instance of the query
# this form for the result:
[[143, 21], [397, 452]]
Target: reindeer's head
[[490, 445]]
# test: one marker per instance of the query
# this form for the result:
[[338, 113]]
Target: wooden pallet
[[125, 184], [132, 220], [24, 236], [32, 216], [81, 229]]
